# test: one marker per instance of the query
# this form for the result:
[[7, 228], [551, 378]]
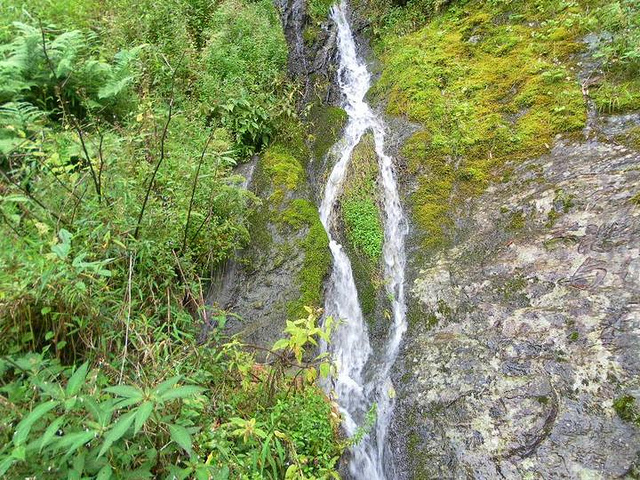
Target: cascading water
[[350, 343]]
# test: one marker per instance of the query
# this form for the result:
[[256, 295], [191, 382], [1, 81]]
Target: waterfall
[[363, 376]]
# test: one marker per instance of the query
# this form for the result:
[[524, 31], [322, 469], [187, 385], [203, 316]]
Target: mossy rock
[[328, 123], [490, 85], [361, 216], [317, 258], [359, 202]]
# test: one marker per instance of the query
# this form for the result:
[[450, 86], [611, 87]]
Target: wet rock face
[[530, 328]]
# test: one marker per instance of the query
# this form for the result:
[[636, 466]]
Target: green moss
[[310, 35], [280, 172], [513, 287], [364, 229], [328, 123], [626, 408], [490, 84], [562, 203], [361, 217], [636, 200], [317, 257], [543, 400], [319, 9], [367, 282], [517, 221], [282, 167], [574, 336], [359, 202]]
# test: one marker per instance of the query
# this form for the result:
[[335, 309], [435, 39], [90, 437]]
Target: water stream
[[363, 376]]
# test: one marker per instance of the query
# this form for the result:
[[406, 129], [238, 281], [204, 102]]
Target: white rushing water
[[357, 388]]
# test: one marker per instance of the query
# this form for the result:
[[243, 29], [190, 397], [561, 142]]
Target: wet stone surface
[[531, 328]]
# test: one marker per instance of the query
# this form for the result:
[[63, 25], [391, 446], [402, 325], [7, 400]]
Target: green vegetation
[[361, 216], [212, 413], [358, 202], [317, 257], [328, 123], [493, 82], [626, 408], [120, 124]]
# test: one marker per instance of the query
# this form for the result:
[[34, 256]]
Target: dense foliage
[[120, 124]]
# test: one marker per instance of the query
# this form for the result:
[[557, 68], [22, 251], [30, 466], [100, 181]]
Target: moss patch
[[626, 408], [359, 203], [328, 123], [361, 216], [491, 82], [317, 257], [284, 169], [281, 177], [631, 138], [319, 10]]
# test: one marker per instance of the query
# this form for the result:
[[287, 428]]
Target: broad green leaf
[[78, 465], [105, 473], [222, 474], [19, 453], [24, 427], [73, 441], [117, 432], [101, 412], [311, 374], [202, 472], [50, 432], [126, 391], [142, 414], [6, 464], [281, 344], [292, 472], [167, 384], [182, 392], [181, 436], [325, 369]]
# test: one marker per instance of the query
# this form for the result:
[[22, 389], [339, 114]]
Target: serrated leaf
[[24, 427], [181, 436], [142, 414], [117, 432], [181, 392], [77, 380]]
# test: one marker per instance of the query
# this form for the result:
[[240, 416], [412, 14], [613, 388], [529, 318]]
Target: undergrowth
[[117, 197]]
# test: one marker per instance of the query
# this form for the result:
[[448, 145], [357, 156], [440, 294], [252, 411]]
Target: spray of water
[[355, 391]]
